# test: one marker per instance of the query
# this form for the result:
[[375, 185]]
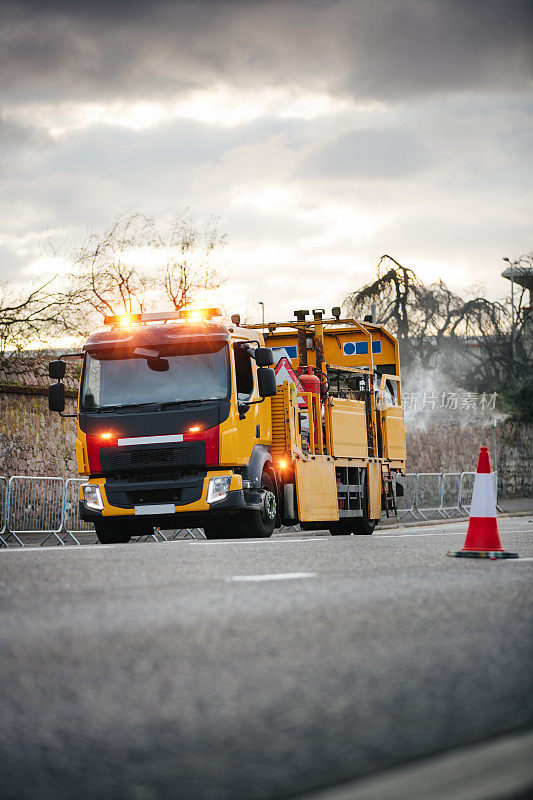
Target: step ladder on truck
[[187, 420]]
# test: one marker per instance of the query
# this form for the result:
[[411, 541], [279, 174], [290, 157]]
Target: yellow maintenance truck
[[185, 420]]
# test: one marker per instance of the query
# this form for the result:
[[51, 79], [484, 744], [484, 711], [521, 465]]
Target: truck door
[[245, 379], [391, 419]]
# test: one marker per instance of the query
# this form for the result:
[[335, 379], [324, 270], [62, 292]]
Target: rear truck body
[[184, 423]]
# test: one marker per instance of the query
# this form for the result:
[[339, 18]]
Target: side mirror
[[56, 396], [56, 369], [264, 357], [158, 364], [266, 381]]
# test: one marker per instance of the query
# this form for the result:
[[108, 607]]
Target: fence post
[[4, 515], [464, 507], [441, 504], [415, 498], [8, 508]]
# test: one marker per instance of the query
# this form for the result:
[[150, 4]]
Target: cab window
[[243, 373]]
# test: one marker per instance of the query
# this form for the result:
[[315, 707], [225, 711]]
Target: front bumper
[[115, 498]]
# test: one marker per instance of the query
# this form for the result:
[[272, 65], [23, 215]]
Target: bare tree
[[436, 327], [395, 293], [133, 266], [189, 269], [106, 278], [29, 316]]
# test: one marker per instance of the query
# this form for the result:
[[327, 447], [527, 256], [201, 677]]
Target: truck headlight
[[92, 496], [218, 488]]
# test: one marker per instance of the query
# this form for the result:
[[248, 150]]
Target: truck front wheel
[[254, 524], [114, 532], [222, 529], [260, 524]]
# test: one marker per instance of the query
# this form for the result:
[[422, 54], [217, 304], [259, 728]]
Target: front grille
[[171, 495], [151, 476], [187, 454], [151, 457]]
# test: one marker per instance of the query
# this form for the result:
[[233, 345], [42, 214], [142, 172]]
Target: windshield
[[178, 374]]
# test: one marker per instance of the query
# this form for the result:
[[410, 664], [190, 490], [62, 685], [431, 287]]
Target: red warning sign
[[284, 372]]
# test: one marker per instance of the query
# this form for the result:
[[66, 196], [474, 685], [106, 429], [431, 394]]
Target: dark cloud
[[365, 48]]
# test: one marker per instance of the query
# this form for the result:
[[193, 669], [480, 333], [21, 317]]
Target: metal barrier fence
[[48, 507], [438, 495]]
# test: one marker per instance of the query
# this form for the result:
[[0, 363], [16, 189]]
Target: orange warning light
[[283, 464], [199, 314], [194, 429], [106, 435]]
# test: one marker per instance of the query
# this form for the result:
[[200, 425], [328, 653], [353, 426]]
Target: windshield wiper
[[125, 407], [170, 403]]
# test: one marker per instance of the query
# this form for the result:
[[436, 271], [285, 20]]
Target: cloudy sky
[[323, 133]]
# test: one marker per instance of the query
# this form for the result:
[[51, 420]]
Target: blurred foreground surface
[[178, 670]]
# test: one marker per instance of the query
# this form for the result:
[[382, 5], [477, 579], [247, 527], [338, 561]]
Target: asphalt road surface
[[255, 669]]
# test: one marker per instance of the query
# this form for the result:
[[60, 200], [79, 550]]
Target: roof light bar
[[199, 314], [189, 314]]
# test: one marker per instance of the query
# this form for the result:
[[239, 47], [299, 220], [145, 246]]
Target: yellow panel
[[334, 338], [349, 428], [374, 490], [393, 427], [229, 444], [82, 461], [316, 490], [281, 442]]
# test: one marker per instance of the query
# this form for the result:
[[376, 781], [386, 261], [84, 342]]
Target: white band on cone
[[483, 502]]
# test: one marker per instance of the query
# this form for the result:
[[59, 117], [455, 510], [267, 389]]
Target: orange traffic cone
[[482, 537]]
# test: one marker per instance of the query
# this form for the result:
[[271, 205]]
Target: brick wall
[[33, 440]]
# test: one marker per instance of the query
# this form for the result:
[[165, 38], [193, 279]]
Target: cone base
[[482, 535], [493, 554]]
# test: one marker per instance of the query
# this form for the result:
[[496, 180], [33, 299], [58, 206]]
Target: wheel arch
[[260, 460]]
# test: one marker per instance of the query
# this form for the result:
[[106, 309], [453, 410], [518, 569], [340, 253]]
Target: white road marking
[[516, 560], [280, 576], [255, 541], [416, 535], [379, 534]]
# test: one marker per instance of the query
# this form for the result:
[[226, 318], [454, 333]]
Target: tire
[[225, 529], [360, 526], [260, 524], [115, 532]]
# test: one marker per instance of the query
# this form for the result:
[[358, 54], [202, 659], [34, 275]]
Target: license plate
[[160, 508]]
